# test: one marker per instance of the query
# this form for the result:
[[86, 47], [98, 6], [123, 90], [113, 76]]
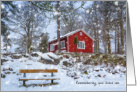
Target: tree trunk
[[97, 34], [95, 42], [98, 49], [121, 34], [58, 25], [76, 48], [115, 42], [118, 49], [108, 35], [109, 44]]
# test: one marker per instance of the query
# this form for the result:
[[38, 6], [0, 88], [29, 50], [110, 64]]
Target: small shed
[[85, 43]]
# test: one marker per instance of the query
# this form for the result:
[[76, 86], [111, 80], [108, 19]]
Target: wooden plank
[[38, 71], [40, 79]]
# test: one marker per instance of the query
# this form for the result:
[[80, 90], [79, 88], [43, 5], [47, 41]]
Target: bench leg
[[24, 75], [24, 83], [51, 76], [51, 81]]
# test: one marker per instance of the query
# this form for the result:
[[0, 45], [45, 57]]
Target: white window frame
[[81, 47], [53, 47], [61, 44]]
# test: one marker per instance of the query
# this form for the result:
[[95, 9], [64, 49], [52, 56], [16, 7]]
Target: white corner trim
[[68, 43]]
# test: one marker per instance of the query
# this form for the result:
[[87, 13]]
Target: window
[[51, 47], [62, 43], [80, 33], [81, 45]]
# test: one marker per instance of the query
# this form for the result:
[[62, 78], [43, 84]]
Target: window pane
[[81, 45], [51, 47], [81, 33], [62, 44]]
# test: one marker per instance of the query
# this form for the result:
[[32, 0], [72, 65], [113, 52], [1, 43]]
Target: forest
[[24, 24]]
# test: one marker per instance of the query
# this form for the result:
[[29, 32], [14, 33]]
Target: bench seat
[[40, 79], [24, 71]]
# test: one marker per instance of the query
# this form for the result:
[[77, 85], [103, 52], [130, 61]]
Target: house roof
[[71, 33]]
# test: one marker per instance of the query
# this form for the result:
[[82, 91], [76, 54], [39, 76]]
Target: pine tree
[[8, 6], [76, 42], [43, 46]]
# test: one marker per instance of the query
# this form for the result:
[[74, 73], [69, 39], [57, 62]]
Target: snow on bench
[[38, 71]]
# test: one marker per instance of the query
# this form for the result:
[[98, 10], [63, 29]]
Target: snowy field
[[75, 77]]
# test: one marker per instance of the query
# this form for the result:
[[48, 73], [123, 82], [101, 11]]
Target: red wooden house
[[85, 44]]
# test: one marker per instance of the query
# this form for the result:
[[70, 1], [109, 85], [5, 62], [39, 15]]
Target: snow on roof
[[70, 33]]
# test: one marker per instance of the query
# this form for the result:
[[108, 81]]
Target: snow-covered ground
[[77, 77]]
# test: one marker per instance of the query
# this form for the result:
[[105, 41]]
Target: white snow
[[99, 31], [2, 6], [57, 13], [85, 82], [46, 55], [116, 3], [80, 17], [35, 15], [17, 54], [97, 6], [52, 55], [87, 11], [19, 5]]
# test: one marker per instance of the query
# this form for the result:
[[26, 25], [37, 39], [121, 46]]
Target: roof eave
[[56, 39]]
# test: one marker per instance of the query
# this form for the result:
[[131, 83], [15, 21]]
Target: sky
[[52, 29]]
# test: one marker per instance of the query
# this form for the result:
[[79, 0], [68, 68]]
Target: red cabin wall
[[55, 47], [88, 42]]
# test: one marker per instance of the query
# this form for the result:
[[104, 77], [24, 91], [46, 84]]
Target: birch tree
[[28, 24]]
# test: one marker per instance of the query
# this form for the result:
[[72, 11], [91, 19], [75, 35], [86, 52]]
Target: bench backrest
[[38, 71]]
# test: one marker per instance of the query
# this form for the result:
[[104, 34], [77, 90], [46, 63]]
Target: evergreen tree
[[76, 42], [43, 46], [7, 7]]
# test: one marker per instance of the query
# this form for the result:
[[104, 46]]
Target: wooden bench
[[38, 71]]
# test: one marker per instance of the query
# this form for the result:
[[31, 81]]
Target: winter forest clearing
[[89, 74], [84, 42]]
